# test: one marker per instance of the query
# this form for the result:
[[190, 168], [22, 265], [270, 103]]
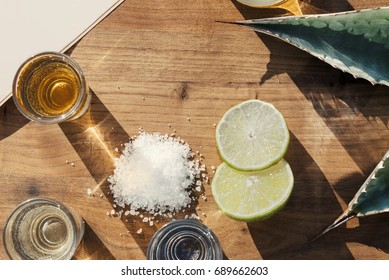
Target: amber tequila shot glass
[[50, 87]]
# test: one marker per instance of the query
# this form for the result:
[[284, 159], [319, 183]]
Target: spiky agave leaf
[[357, 42], [372, 197]]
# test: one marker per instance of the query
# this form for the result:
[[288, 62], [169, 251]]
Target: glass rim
[[251, 4], [47, 119], [50, 201]]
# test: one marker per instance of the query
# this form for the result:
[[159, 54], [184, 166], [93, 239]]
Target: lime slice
[[254, 195], [252, 135]]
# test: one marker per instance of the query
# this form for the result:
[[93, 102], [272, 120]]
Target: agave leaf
[[372, 198], [356, 42]]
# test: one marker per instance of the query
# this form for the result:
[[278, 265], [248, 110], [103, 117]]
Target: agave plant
[[372, 198], [356, 42]]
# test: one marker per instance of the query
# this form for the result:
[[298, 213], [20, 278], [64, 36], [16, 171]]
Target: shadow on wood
[[98, 139], [11, 120], [288, 234], [92, 247], [357, 114]]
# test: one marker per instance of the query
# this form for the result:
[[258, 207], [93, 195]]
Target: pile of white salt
[[154, 173]]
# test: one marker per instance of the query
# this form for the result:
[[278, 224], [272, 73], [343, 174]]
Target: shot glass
[[292, 6], [262, 3], [42, 229], [50, 87], [184, 240]]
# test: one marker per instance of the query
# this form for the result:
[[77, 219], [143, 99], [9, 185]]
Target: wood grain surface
[[154, 63]]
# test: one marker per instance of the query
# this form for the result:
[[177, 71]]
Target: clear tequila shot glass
[[184, 240], [42, 229], [262, 3], [292, 6]]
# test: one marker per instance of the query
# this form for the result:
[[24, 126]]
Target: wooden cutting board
[[152, 64]]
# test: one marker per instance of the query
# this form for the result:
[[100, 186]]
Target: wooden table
[[153, 63]]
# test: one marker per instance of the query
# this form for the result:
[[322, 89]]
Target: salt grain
[[154, 173]]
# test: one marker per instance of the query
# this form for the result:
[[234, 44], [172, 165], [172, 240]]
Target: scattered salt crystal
[[127, 213], [198, 189], [90, 192], [151, 223], [113, 212], [154, 172], [119, 214], [139, 231], [194, 216], [145, 220]]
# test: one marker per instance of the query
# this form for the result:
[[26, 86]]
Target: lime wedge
[[252, 135], [254, 195]]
